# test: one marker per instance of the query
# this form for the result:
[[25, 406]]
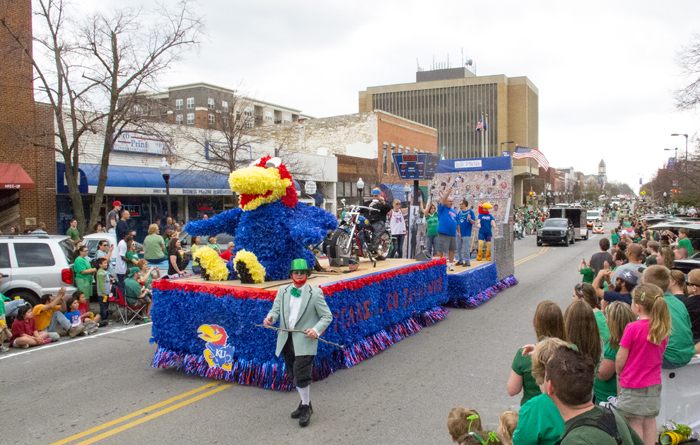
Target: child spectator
[[618, 316], [540, 421], [507, 424], [73, 315], [680, 349], [675, 285], [548, 322], [587, 272], [104, 288], [683, 241], [614, 237], [461, 421], [582, 330], [692, 304], [587, 293], [84, 309], [652, 253], [639, 360], [24, 332], [211, 243]]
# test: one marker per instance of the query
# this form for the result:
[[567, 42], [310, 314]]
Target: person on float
[[486, 225], [299, 307]]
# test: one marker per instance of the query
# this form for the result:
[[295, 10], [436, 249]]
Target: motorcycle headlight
[[348, 217]]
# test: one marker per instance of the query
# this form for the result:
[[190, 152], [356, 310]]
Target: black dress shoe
[[297, 412], [306, 412]]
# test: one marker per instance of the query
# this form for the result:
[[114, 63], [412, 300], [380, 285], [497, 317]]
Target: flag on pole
[[527, 152], [481, 126]]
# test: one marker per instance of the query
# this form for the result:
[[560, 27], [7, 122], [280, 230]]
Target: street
[[102, 389]]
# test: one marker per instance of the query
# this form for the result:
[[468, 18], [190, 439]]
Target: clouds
[[605, 70]]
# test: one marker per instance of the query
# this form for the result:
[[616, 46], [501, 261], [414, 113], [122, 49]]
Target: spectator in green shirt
[[154, 245], [73, 232], [683, 241], [587, 272], [431, 220], [136, 295]]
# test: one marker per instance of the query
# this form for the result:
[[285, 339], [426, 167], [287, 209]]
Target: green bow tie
[[295, 292]]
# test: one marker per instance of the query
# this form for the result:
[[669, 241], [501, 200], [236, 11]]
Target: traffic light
[[675, 190], [531, 193]]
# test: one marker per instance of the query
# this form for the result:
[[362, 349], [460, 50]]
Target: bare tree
[[688, 59], [92, 70]]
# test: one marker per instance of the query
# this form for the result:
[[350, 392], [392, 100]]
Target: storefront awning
[[13, 176]]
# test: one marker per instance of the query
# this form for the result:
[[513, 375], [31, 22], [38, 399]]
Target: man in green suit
[[300, 308]]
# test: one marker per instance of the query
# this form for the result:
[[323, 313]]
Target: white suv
[[33, 265]]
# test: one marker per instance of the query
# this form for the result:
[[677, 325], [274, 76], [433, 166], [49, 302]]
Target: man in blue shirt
[[447, 227], [486, 223], [465, 218]]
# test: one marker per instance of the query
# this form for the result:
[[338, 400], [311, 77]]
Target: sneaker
[[75, 330], [459, 263], [24, 346], [450, 266], [297, 412], [467, 264], [54, 336], [47, 341], [4, 348], [305, 417], [103, 323]]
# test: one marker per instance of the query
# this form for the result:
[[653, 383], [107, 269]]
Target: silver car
[[33, 265]]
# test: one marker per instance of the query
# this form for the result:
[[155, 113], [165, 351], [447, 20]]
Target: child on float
[[24, 333], [507, 424], [586, 292], [540, 421], [618, 315], [548, 322], [638, 361], [212, 244], [462, 421]]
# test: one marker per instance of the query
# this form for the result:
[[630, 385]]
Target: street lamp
[[675, 156], [360, 186], [165, 171], [686, 149]]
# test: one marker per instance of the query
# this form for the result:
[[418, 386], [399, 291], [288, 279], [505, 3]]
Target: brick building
[[28, 183]]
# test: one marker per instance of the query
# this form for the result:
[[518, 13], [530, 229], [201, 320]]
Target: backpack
[[606, 423]]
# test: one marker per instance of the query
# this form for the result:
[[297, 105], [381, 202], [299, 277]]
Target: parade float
[[207, 326]]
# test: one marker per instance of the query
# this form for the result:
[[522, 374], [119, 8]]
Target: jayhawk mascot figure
[[218, 354], [486, 225], [270, 227]]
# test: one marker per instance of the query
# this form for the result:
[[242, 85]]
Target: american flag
[[481, 126], [527, 152]]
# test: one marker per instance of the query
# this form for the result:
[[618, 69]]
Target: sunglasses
[[688, 283]]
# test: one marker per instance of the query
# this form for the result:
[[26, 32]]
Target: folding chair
[[127, 312]]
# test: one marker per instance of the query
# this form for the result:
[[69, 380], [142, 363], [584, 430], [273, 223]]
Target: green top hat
[[300, 264], [133, 271]]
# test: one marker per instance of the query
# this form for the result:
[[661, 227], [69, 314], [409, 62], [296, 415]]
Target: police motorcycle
[[354, 236]]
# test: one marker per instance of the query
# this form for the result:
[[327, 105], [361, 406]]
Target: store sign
[[310, 187], [139, 143]]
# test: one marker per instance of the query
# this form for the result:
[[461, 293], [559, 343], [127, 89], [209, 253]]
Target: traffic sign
[[643, 192]]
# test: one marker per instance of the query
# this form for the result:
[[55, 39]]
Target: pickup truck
[[577, 217]]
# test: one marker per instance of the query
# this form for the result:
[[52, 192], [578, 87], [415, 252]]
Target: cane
[[302, 332]]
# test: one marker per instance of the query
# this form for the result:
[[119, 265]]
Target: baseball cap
[[629, 277], [116, 203]]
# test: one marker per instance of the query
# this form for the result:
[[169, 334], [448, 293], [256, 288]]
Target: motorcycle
[[354, 236]]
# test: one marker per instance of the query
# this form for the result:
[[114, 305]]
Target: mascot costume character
[[270, 227], [486, 223]]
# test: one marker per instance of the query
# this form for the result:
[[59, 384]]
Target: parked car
[[688, 264], [34, 265], [556, 230]]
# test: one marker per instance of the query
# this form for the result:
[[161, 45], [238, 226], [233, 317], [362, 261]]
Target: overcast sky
[[605, 70]]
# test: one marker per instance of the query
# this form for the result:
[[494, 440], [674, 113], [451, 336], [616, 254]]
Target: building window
[[287, 118], [211, 103], [249, 124], [190, 118], [224, 105], [211, 119], [268, 115], [386, 154], [248, 111], [391, 159], [178, 104], [178, 119], [137, 109], [190, 103]]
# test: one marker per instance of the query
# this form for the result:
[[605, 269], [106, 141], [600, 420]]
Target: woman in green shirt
[[154, 245], [195, 245], [83, 272], [131, 255], [431, 219], [618, 314]]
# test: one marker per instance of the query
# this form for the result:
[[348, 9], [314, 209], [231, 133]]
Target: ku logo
[[218, 354]]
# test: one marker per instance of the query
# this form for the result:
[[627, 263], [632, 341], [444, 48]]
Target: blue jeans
[[665, 364], [463, 245], [430, 242], [11, 307], [398, 247], [58, 320]]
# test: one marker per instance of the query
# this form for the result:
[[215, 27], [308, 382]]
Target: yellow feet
[[207, 356]]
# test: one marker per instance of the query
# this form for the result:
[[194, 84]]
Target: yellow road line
[[154, 415], [134, 414], [542, 251]]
